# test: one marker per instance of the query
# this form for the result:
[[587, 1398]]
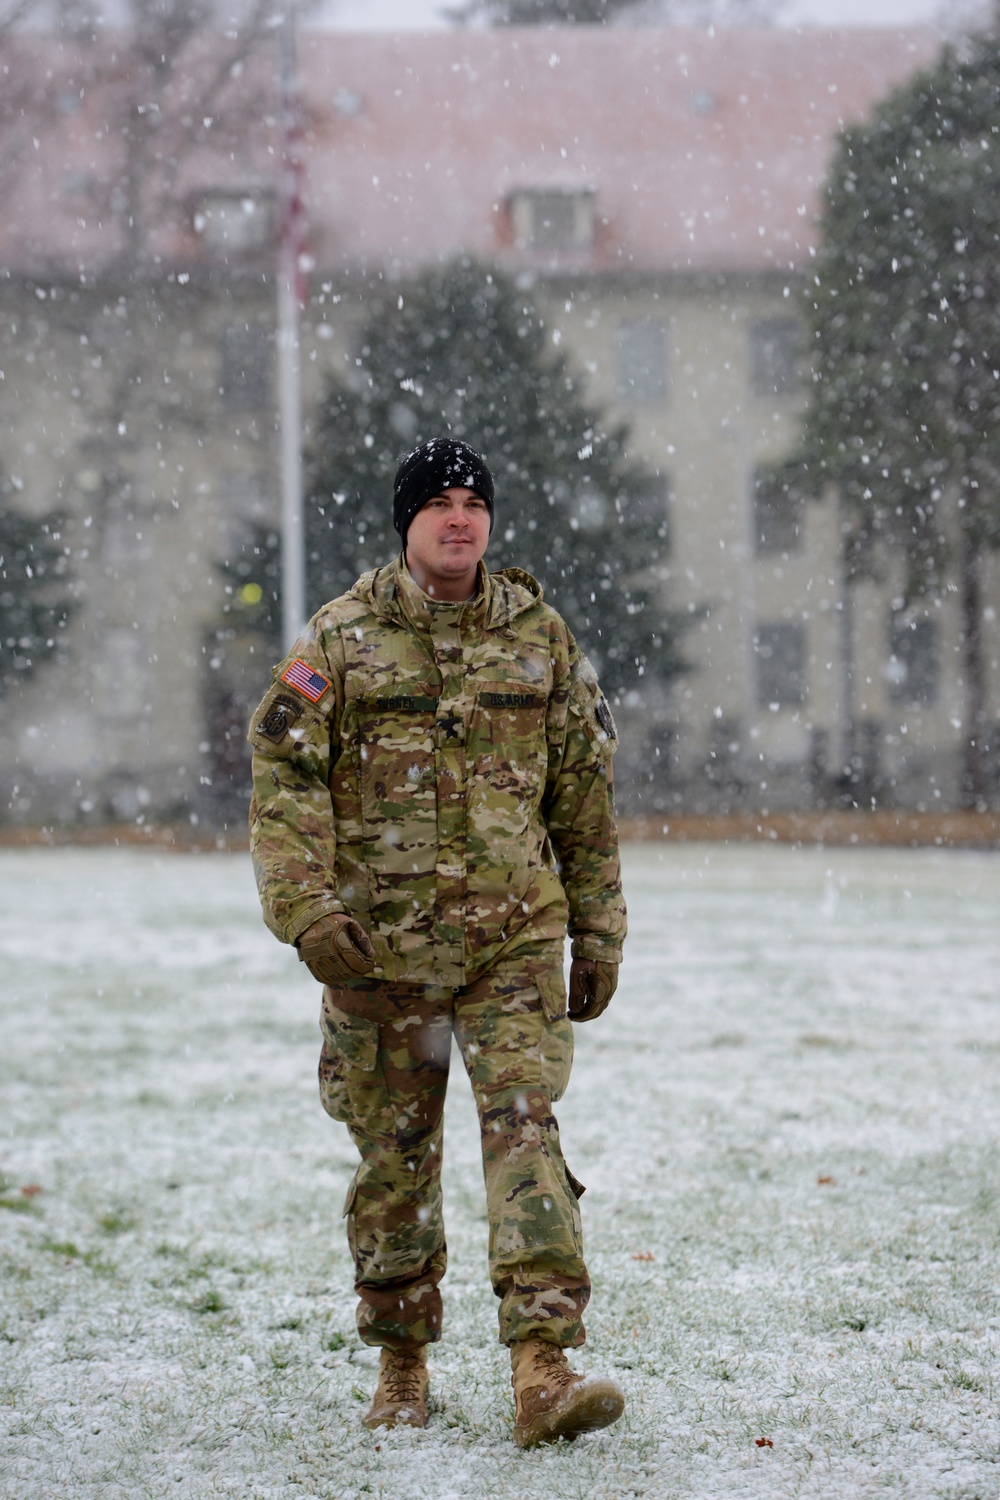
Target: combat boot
[[551, 1401], [401, 1395]]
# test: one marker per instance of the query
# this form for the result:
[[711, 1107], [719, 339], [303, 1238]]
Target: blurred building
[[658, 189]]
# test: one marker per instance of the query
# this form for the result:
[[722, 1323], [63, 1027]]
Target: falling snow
[[787, 1123]]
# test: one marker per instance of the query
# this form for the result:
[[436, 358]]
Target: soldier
[[432, 811]]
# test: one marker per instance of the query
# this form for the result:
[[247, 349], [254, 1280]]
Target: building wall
[[716, 412], [150, 421]]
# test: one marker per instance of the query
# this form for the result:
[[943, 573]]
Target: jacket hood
[[509, 593]]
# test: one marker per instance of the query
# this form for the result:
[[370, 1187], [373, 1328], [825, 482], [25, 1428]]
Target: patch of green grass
[[12, 1197], [209, 1302], [66, 1248], [821, 1041], [335, 1341], [94, 1261], [116, 1222]]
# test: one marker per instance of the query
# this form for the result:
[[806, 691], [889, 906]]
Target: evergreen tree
[[541, 12], [35, 606], [240, 645], [252, 577], [905, 314], [462, 352], [606, 12]]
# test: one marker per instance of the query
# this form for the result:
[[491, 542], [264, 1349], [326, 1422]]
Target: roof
[[698, 151], [705, 152]]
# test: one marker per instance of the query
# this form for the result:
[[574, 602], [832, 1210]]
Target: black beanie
[[440, 464]]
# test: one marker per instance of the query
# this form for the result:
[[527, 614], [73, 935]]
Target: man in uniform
[[432, 812]]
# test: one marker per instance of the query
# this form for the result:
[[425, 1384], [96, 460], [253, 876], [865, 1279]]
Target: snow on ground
[[788, 1123]]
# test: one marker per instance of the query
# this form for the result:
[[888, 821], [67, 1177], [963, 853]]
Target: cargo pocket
[[552, 988], [352, 1087], [557, 1034]]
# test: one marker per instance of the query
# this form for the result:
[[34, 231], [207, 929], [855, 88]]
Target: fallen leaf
[[644, 1255], [826, 1182], [32, 1190], [763, 1442]]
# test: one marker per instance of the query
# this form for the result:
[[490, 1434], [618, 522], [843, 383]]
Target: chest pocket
[[395, 749], [507, 746]]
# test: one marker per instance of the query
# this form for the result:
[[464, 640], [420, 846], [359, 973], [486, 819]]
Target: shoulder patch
[[605, 718], [279, 718], [590, 705], [300, 676]]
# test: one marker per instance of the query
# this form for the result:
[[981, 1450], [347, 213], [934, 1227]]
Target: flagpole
[[291, 295]]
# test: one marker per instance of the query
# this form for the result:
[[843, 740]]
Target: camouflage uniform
[[441, 772]]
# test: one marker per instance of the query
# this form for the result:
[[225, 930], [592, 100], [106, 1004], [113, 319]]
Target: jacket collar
[[392, 595], [424, 613]]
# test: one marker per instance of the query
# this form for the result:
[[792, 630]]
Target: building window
[[553, 219], [774, 356], [234, 223], [125, 676], [648, 508], [245, 375], [912, 669], [781, 664], [642, 362], [777, 514]]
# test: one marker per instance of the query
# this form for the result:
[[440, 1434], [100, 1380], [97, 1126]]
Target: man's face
[[445, 541]]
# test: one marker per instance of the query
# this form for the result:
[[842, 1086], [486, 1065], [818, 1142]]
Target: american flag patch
[[300, 675]]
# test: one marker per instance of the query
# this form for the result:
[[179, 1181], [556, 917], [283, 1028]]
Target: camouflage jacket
[[441, 772]]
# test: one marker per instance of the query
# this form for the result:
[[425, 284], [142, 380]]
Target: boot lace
[[401, 1377], [550, 1362]]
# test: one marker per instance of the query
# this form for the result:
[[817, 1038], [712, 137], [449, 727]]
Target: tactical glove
[[336, 948], [591, 985]]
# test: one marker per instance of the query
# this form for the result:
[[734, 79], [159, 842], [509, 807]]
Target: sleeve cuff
[[592, 945], [304, 919]]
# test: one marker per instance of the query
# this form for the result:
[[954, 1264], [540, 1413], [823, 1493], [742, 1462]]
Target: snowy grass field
[[788, 1123]]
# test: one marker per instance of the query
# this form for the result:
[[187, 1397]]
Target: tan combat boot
[[401, 1395], [550, 1401]]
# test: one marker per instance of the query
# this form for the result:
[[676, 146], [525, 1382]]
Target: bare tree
[[124, 123], [172, 78], [118, 144]]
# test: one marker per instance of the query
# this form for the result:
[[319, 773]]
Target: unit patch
[[509, 700], [300, 675], [279, 718]]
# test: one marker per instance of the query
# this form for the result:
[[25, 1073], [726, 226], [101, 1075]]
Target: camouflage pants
[[384, 1071]]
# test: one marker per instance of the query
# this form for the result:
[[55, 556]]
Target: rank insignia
[[300, 675]]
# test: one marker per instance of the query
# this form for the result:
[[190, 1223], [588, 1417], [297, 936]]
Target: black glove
[[336, 948], [592, 982]]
